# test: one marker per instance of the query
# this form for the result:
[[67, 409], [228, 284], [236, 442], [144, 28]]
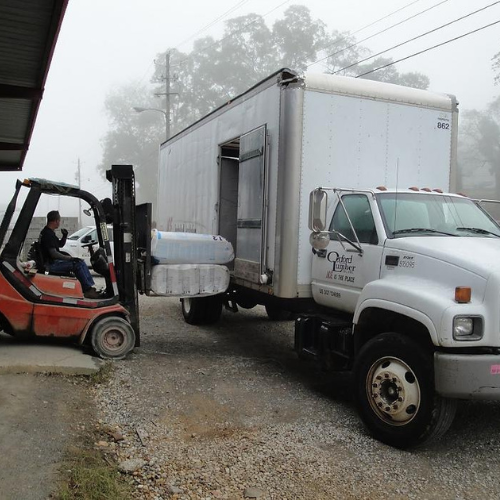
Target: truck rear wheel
[[394, 389], [201, 310], [112, 337]]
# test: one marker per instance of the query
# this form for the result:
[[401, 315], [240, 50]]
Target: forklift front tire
[[112, 338]]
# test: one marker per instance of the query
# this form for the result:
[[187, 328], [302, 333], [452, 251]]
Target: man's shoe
[[92, 293]]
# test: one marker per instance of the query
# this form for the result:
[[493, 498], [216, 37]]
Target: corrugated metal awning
[[28, 35]]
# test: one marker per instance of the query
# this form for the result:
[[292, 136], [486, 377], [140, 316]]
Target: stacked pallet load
[[189, 264]]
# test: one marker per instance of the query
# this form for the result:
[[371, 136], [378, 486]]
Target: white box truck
[[398, 283]]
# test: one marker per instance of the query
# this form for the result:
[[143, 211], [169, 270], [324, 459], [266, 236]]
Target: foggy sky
[[104, 44]]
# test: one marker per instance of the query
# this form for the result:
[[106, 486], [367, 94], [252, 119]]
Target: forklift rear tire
[[201, 310], [112, 338]]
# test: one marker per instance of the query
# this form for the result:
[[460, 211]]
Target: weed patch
[[88, 474], [103, 375]]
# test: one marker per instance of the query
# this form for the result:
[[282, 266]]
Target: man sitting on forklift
[[57, 262]]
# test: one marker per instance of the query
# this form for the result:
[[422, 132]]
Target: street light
[[138, 109]]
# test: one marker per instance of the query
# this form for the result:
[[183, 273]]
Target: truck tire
[[201, 310], [245, 303], [213, 308], [112, 337], [394, 390], [277, 314], [193, 310]]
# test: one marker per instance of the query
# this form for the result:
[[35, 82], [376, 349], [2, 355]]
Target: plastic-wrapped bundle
[[190, 248], [189, 279]]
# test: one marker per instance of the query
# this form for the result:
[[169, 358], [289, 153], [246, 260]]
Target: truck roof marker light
[[414, 188], [26, 182], [463, 294], [438, 190], [381, 188], [463, 194], [427, 190]]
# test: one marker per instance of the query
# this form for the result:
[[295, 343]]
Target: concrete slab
[[18, 356]]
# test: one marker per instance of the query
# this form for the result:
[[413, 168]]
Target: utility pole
[[79, 179], [167, 91], [167, 94]]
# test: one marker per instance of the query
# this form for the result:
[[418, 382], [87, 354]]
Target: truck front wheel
[[394, 389]]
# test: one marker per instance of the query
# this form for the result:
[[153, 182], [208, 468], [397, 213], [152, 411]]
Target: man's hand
[[64, 232]]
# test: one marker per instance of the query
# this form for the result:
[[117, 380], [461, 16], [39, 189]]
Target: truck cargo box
[[245, 171]]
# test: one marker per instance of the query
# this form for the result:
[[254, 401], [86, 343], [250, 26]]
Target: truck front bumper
[[467, 376]]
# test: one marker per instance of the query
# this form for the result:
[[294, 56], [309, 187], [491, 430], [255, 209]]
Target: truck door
[[340, 272], [252, 201]]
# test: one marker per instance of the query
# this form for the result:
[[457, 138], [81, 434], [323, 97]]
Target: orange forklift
[[35, 303]]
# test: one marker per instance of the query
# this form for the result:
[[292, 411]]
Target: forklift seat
[[35, 253]]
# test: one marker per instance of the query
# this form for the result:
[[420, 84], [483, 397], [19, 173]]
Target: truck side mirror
[[318, 202]]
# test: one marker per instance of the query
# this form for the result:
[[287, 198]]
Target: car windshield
[[422, 214], [78, 234]]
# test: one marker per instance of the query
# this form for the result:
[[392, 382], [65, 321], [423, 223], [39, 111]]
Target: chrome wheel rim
[[393, 391], [186, 303]]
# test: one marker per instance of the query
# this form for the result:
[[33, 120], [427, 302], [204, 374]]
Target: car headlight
[[467, 328]]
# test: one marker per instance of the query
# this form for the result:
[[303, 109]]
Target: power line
[[144, 75], [215, 21], [430, 48], [378, 32], [235, 32], [416, 37], [385, 17], [367, 26], [276, 8]]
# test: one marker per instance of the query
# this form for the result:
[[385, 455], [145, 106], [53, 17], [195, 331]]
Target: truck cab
[[407, 282]]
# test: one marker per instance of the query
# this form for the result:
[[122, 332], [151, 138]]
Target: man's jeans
[[76, 266]]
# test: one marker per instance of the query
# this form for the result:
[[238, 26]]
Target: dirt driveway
[[228, 411]]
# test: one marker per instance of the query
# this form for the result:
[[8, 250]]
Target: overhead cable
[[430, 48], [235, 32], [378, 33], [215, 21], [416, 37]]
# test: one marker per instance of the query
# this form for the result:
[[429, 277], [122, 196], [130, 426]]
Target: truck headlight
[[467, 328]]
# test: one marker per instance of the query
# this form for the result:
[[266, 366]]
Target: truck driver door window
[[341, 274], [249, 263], [360, 213]]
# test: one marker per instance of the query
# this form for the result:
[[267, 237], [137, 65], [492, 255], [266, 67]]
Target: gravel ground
[[228, 411]]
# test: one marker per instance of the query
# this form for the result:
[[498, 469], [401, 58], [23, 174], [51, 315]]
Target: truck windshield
[[422, 214]]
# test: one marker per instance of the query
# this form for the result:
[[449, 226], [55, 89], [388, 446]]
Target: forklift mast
[[132, 241]]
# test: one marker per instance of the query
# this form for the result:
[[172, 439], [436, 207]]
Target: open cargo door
[[252, 202]]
